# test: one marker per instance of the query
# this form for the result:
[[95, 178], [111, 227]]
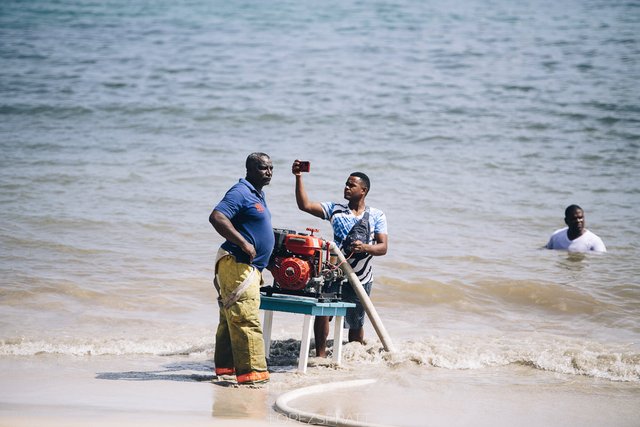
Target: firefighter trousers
[[239, 344]]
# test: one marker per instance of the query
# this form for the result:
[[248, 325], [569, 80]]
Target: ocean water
[[123, 123]]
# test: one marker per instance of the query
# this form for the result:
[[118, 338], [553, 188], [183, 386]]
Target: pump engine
[[301, 265]]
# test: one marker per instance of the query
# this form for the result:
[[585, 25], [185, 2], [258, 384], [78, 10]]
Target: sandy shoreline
[[55, 391], [104, 391]]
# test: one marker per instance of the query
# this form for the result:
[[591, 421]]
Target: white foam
[[97, 347], [548, 353], [554, 354]]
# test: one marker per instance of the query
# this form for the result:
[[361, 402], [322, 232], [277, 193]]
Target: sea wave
[[552, 354], [104, 347], [548, 353]]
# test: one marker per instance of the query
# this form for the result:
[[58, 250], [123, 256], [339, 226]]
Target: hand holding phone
[[305, 166]]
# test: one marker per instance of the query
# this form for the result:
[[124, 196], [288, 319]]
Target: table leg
[[267, 324], [337, 339], [305, 343]]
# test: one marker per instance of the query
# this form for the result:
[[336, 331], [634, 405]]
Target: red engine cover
[[303, 245], [292, 273]]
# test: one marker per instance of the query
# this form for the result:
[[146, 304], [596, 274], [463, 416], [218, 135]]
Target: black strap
[[361, 230]]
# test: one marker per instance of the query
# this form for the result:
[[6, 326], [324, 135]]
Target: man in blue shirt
[[243, 219]]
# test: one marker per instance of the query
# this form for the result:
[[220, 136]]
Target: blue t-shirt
[[247, 210]]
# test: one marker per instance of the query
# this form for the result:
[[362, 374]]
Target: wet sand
[[54, 391]]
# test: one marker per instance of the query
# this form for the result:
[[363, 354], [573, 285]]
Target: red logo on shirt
[[259, 207]]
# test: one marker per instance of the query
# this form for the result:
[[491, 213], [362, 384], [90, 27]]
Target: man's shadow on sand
[[171, 372], [283, 353]]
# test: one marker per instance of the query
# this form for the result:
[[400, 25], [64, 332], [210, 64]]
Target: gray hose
[[364, 299], [282, 405]]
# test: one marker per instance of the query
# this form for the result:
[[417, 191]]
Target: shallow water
[[123, 124]]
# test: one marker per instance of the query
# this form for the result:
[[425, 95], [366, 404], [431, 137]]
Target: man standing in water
[[359, 250], [243, 219], [575, 237]]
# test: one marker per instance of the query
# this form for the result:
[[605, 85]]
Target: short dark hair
[[571, 209], [364, 178], [254, 158]]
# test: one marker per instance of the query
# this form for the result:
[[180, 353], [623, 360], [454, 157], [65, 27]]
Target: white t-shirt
[[588, 242]]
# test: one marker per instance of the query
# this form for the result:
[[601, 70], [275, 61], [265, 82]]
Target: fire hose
[[282, 405], [364, 299]]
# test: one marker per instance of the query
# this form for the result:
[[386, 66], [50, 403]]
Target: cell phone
[[305, 166]]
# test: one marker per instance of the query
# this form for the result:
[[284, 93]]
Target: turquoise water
[[123, 123]]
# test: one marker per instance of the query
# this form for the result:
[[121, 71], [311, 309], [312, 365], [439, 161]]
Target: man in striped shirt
[[343, 217]]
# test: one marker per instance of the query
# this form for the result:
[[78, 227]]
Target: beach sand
[[50, 390]]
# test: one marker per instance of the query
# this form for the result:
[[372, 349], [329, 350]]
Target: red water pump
[[301, 265]]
